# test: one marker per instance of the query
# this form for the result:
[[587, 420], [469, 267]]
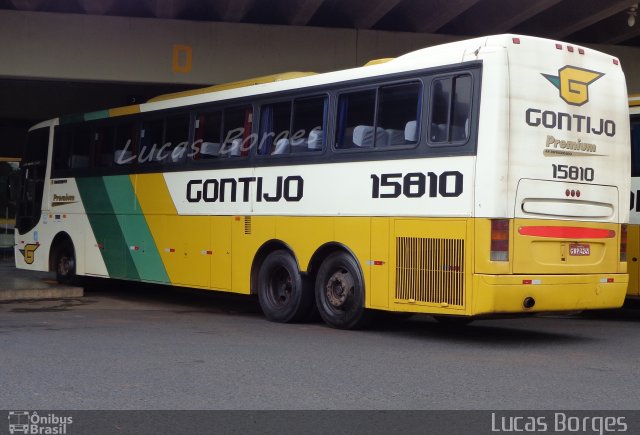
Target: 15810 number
[[575, 173]]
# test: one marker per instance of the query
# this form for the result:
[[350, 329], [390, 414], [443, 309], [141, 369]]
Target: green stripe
[[137, 234], [69, 119], [101, 114], [106, 228]]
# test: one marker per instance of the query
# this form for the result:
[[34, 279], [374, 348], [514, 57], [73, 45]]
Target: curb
[[7, 295]]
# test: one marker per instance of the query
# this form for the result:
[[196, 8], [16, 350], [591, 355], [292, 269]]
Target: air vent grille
[[430, 270]]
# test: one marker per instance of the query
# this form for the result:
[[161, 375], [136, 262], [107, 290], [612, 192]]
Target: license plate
[[579, 249]]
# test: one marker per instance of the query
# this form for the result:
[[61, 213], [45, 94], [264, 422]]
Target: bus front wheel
[[340, 292], [282, 292], [65, 263]]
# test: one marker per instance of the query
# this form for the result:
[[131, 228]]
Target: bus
[[8, 180], [634, 216], [478, 178]]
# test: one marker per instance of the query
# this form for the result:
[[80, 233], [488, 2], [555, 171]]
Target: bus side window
[[176, 139], [355, 120], [81, 147], [450, 109], [103, 146], [461, 118], [398, 112], [151, 133], [236, 128], [440, 99], [207, 137], [125, 144], [309, 124], [275, 121]]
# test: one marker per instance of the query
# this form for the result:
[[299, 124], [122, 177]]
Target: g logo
[[29, 252], [573, 83]]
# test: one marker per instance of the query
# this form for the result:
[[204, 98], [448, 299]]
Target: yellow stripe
[[126, 110], [232, 85], [378, 61]]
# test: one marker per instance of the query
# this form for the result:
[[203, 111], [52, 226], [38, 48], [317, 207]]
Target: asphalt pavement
[[133, 346]]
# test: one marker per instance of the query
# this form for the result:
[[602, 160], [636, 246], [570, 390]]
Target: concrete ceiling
[[579, 21]]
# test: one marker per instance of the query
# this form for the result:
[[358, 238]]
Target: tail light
[[500, 240], [623, 242]]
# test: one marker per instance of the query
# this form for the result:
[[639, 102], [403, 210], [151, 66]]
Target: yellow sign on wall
[[182, 58]]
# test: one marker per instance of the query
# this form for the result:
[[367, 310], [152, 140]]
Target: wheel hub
[[340, 288], [281, 287]]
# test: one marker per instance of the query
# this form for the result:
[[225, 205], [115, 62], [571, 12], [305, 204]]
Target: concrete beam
[[231, 10], [557, 24], [500, 16], [580, 22], [27, 5], [304, 11], [96, 7], [374, 13], [164, 8], [436, 13]]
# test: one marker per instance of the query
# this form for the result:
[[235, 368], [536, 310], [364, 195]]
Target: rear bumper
[[495, 294]]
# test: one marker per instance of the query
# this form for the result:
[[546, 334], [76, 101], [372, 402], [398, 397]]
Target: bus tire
[[65, 263], [282, 292], [340, 292]]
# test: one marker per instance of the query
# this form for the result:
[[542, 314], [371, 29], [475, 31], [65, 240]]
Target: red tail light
[[500, 240], [623, 242]]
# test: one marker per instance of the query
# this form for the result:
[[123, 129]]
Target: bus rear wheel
[[340, 292], [282, 292], [65, 263]]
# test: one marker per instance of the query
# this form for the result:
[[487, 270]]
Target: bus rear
[[557, 237]]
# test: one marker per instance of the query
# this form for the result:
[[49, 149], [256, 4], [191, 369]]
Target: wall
[[103, 48], [116, 49]]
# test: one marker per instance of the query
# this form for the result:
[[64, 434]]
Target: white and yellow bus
[[634, 216], [482, 177]]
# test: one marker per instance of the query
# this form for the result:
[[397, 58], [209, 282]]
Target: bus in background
[[9, 167], [634, 216], [478, 178]]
